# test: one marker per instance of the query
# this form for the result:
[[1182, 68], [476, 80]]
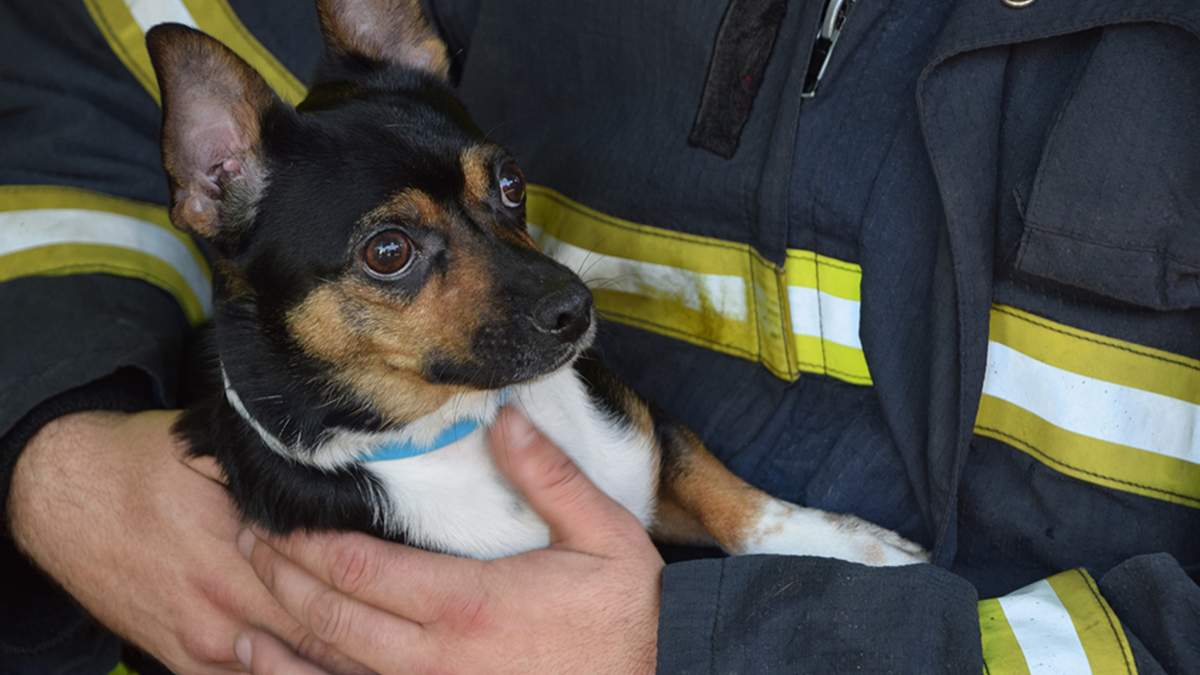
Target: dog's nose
[[565, 313]]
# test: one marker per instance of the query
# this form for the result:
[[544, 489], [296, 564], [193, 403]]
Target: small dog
[[378, 299]]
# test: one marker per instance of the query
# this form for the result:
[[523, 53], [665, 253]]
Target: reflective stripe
[[823, 315], [720, 293], [1101, 410], [717, 294], [124, 24], [1060, 625], [54, 231], [150, 13], [122, 669], [1043, 630]]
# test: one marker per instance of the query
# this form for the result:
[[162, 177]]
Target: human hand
[[105, 504], [588, 603]]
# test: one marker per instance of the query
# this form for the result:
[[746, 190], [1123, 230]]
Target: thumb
[[580, 516]]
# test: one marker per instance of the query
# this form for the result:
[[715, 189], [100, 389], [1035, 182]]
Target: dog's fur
[[318, 360]]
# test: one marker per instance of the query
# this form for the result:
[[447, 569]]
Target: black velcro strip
[[739, 60]]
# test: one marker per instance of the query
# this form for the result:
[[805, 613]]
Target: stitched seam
[[712, 637], [1066, 27], [1122, 246], [1104, 609], [847, 267], [1096, 340], [1022, 444]]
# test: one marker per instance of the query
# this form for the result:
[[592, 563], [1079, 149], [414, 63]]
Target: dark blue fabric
[[963, 152]]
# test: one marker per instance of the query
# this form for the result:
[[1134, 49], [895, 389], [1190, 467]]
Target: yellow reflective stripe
[[1089, 459], [62, 250], [127, 38], [218, 19], [1060, 624], [1101, 410], [1098, 356], [122, 669], [830, 275], [1096, 624], [69, 259], [715, 294], [1001, 652], [23, 197]]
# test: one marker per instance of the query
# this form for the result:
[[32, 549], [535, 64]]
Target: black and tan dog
[[378, 300]]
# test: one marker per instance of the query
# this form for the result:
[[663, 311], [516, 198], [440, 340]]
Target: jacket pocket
[[1114, 207]]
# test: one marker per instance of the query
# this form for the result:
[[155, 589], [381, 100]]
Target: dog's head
[[372, 230]]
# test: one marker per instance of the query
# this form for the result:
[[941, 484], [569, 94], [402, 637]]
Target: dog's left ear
[[395, 32], [213, 106]]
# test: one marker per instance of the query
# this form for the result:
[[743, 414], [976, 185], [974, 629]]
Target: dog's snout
[[565, 313]]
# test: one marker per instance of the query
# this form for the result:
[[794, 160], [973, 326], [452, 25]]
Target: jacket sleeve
[[93, 279], [799, 614]]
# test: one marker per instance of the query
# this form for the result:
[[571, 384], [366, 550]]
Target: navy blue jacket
[[954, 291]]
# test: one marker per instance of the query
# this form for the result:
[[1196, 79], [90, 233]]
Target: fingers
[[579, 514], [372, 635], [262, 611], [411, 583], [261, 654]]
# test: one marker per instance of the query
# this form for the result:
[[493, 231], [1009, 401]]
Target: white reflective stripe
[[1044, 631], [34, 228], [150, 13], [725, 294], [825, 316], [1091, 407]]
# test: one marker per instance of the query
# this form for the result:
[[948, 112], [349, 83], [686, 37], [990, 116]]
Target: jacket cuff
[[687, 615], [127, 390], [802, 614]]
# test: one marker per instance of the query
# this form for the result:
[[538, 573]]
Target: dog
[[378, 300]]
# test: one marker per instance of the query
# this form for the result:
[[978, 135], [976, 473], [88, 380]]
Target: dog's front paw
[[786, 529]]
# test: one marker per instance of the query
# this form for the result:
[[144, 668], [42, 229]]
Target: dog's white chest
[[454, 499]]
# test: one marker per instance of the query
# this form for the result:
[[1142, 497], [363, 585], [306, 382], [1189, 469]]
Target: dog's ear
[[213, 105], [388, 31]]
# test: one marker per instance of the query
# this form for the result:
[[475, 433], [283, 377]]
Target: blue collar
[[404, 450], [380, 453], [408, 449]]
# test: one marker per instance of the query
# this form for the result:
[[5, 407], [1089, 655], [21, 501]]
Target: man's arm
[[98, 293], [581, 605]]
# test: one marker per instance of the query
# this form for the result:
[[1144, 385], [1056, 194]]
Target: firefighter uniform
[[935, 263]]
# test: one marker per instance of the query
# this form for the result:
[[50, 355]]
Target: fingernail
[[245, 543], [243, 649], [517, 430]]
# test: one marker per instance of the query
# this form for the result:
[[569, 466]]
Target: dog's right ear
[[213, 105]]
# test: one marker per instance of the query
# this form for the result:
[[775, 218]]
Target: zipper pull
[[827, 37]]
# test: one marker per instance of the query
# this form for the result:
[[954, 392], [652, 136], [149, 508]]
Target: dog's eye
[[512, 184], [388, 253]]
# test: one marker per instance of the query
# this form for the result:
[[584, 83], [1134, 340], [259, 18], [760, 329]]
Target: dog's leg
[[743, 519], [701, 502]]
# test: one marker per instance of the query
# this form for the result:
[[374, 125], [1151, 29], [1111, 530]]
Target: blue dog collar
[[408, 449], [404, 450], [380, 453]]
